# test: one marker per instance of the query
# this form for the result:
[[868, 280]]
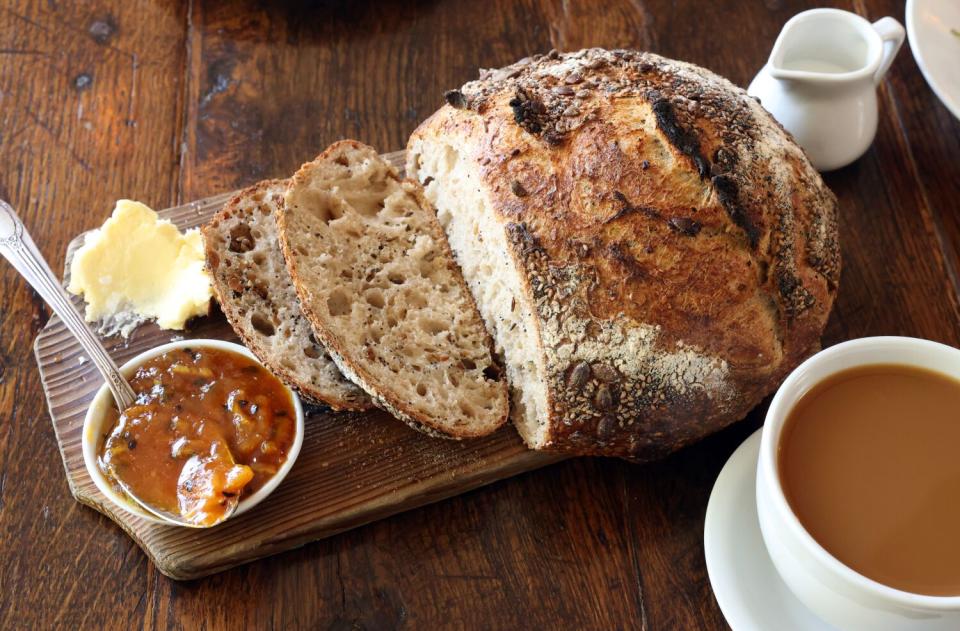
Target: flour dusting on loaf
[[650, 249]]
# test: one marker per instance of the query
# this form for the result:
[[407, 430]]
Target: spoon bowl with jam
[[210, 435]]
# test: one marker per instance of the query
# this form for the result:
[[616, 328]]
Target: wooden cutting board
[[353, 468]]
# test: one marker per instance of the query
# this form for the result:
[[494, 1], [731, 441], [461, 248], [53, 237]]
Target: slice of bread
[[256, 294], [377, 280]]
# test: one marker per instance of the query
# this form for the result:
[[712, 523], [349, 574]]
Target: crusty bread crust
[[677, 249], [256, 294], [403, 228]]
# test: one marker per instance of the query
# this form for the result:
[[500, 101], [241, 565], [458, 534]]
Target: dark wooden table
[[167, 101]]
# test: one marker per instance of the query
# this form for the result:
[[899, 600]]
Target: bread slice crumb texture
[[378, 282], [256, 294], [478, 240]]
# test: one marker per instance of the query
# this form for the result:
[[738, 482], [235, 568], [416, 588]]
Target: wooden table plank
[[253, 89], [90, 111]]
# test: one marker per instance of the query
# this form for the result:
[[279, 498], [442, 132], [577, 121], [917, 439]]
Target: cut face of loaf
[[378, 282], [478, 237], [256, 293]]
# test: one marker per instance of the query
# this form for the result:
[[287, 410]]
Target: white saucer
[[751, 594]]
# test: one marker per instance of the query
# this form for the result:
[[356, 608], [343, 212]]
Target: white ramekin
[[833, 591], [93, 431]]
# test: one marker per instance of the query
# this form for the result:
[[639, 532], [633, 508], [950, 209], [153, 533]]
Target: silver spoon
[[18, 248]]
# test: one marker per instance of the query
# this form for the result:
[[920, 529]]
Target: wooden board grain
[[353, 468]]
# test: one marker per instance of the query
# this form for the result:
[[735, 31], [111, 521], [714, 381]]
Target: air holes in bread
[[366, 204], [322, 206], [338, 303], [374, 298], [257, 283], [241, 239], [262, 324], [432, 326], [380, 265], [416, 300], [426, 269]]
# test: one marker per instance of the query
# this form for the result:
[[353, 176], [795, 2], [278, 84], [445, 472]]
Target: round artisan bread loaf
[[651, 251]]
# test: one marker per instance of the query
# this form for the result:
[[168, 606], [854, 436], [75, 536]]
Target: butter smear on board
[[139, 267]]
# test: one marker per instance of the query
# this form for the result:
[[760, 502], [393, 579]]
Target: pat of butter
[[138, 266]]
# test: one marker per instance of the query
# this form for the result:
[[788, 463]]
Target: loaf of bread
[[256, 294], [651, 251], [378, 282]]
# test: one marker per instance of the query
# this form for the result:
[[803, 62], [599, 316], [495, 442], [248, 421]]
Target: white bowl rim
[[773, 424], [89, 446]]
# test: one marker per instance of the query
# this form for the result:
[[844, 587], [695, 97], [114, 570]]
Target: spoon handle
[[18, 248]]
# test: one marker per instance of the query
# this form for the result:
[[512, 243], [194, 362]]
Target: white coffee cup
[[833, 591]]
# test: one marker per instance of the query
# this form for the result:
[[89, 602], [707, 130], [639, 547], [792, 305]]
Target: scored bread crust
[[324, 226], [255, 292], [672, 250]]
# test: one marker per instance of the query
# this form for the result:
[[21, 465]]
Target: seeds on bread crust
[[674, 257]]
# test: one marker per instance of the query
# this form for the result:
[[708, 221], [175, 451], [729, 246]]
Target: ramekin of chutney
[[209, 423]]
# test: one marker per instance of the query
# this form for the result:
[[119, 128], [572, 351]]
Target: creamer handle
[[892, 34]]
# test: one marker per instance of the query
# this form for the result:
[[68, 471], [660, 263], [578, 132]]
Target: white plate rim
[[729, 593], [950, 101]]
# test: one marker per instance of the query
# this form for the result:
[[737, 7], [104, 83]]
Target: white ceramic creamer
[[821, 80]]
